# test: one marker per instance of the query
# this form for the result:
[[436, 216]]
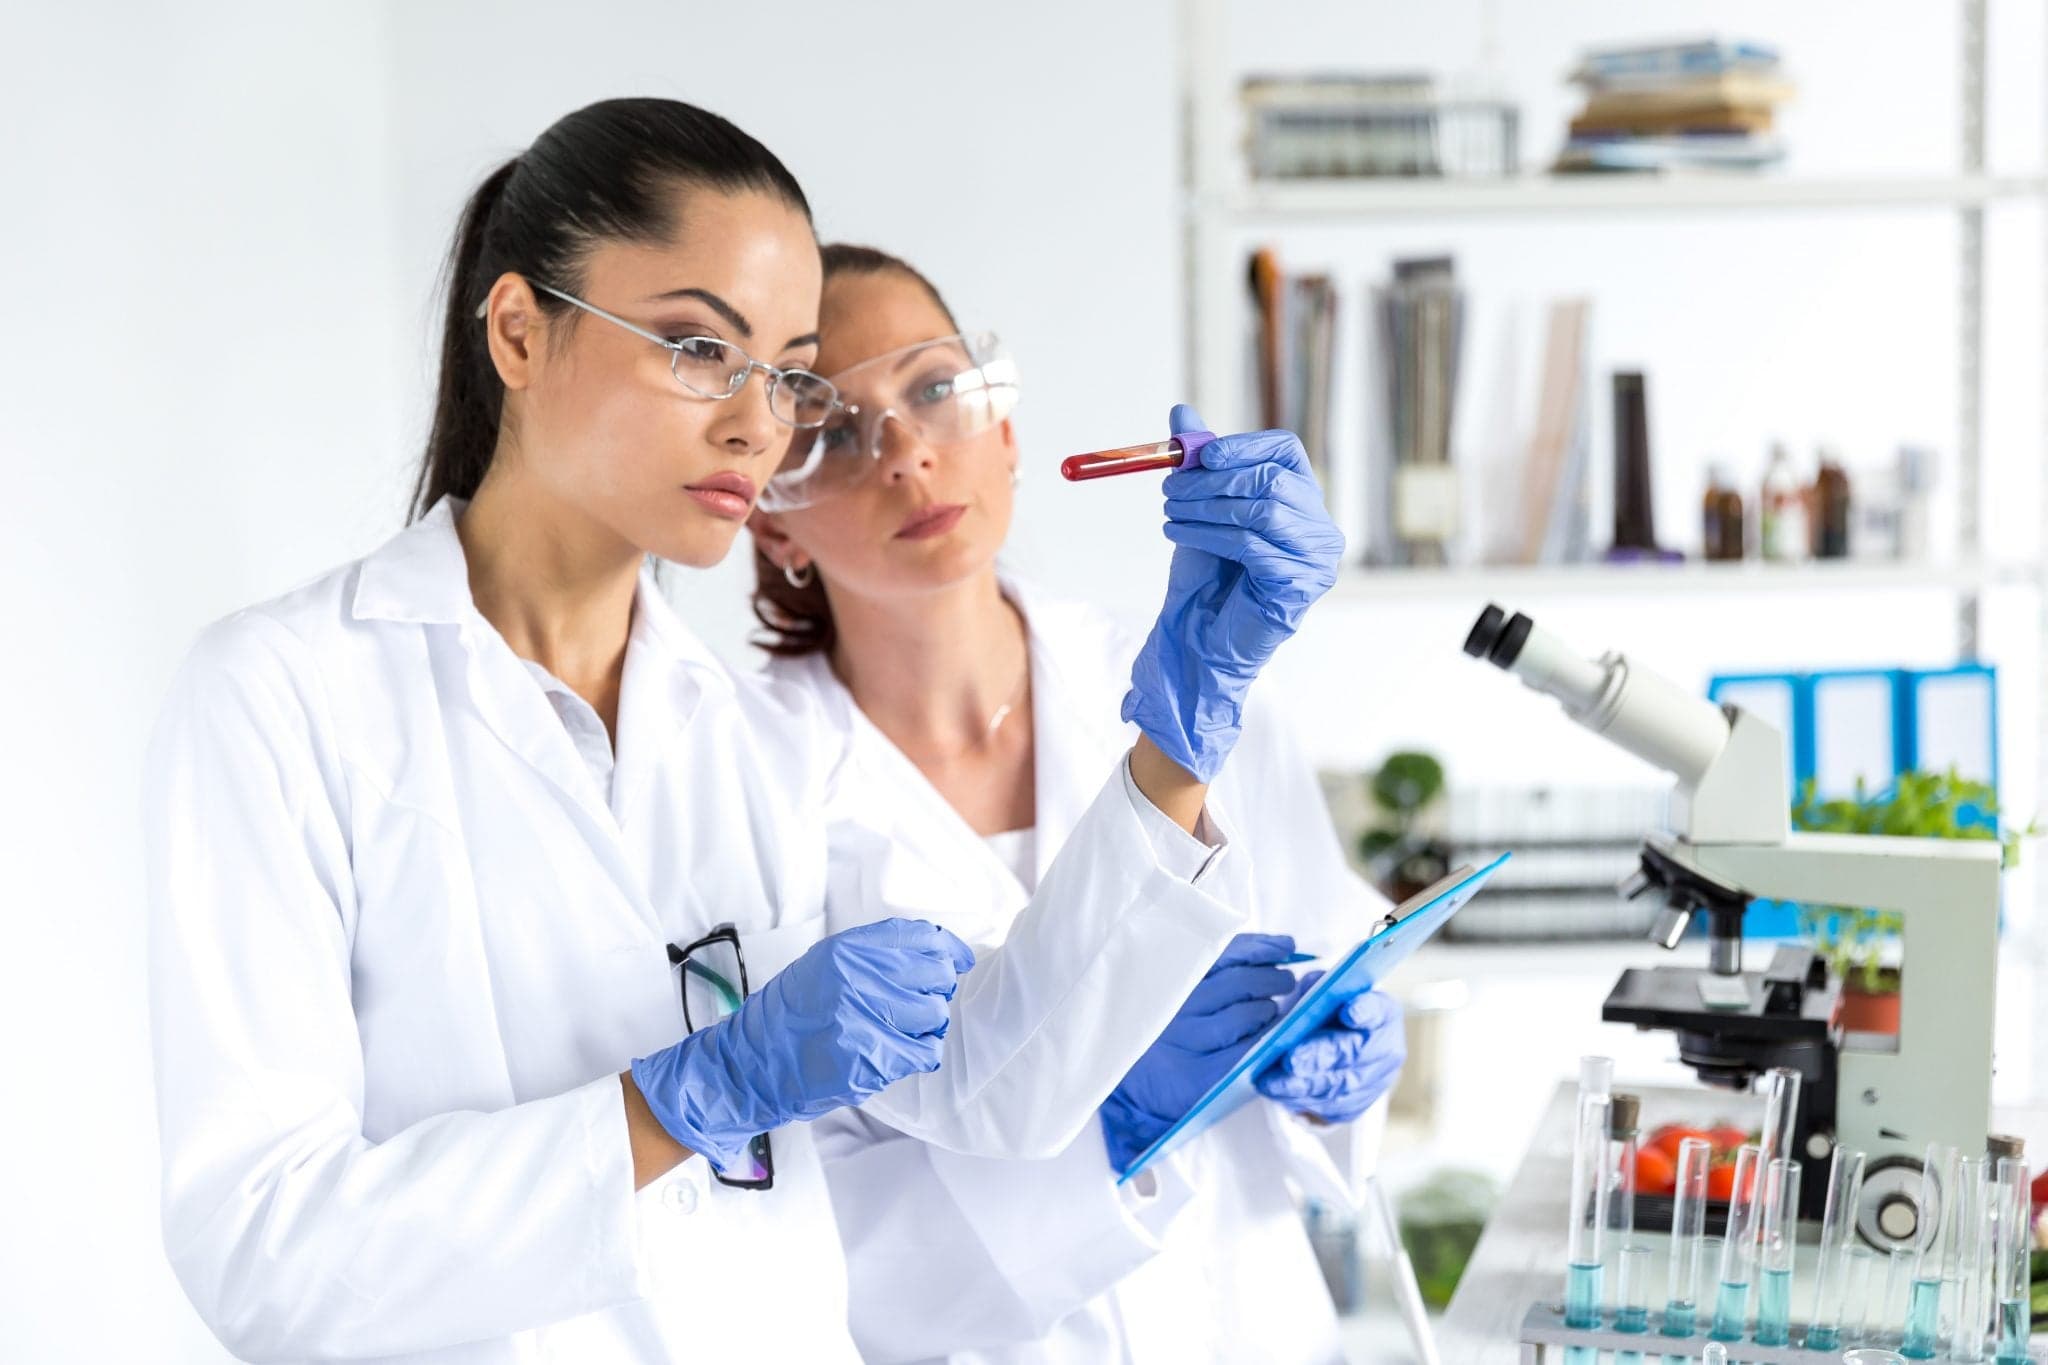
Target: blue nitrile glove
[[1253, 547], [1339, 1070], [858, 1010], [1221, 1017]]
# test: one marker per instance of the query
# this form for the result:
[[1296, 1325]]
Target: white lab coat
[[974, 1259], [401, 942]]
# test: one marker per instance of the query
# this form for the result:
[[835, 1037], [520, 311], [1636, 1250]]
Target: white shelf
[[1356, 200], [1695, 578]]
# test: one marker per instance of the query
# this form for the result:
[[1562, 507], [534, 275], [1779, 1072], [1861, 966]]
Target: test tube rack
[[1544, 1338]]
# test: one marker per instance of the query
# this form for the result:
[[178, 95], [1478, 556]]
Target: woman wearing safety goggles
[[978, 715], [503, 942]]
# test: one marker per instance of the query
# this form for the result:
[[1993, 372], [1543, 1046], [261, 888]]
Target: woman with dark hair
[[972, 766], [485, 902]]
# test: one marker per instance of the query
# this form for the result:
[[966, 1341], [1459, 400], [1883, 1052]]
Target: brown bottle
[[1724, 534], [1831, 509]]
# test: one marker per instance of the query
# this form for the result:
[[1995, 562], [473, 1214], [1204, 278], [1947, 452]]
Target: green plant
[[1403, 787], [1404, 859], [1919, 805]]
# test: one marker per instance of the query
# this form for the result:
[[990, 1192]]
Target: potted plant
[[1856, 942], [1404, 859]]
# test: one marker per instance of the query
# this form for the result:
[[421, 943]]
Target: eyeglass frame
[[872, 419], [739, 377], [679, 957]]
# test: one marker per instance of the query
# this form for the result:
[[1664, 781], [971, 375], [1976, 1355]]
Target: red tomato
[[1726, 1139], [1656, 1173], [1721, 1181], [1667, 1138]]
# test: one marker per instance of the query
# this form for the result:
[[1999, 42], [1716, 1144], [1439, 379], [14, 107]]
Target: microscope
[[1730, 843]]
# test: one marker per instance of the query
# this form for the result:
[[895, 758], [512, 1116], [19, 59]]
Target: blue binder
[[1406, 928]]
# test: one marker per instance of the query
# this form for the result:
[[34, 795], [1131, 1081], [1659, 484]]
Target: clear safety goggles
[[941, 391]]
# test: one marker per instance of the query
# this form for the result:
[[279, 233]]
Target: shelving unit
[[1221, 204], [1341, 201], [1221, 201], [1517, 582]]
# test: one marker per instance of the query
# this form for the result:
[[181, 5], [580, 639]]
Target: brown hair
[[798, 621]]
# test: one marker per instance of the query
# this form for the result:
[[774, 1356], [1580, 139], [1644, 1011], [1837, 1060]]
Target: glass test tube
[[2010, 1254], [1688, 1237], [1587, 1230], [1596, 1074], [1710, 1255], [1970, 1229], [1101, 464], [1776, 1249], [1837, 1230], [1931, 1250], [1738, 1248], [1898, 1293], [1781, 1116], [1622, 1135], [1714, 1354], [1631, 1297], [1858, 1266]]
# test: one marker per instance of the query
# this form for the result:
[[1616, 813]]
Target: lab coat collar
[[421, 576]]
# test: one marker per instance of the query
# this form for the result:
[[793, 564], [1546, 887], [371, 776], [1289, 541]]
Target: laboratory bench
[[1519, 1259]]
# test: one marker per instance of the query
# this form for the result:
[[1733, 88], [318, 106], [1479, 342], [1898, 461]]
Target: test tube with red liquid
[[1171, 453]]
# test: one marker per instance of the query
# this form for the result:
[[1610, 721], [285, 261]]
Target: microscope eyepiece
[[1486, 632], [1497, 637]]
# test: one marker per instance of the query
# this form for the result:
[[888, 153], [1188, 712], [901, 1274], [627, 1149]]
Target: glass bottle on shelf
[[1781, 511], [1724, 530], [1831, 508]]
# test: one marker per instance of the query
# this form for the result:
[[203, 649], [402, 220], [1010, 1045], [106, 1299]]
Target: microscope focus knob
[[1889, 1214]]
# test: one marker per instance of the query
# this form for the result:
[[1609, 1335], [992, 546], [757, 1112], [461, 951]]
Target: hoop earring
[[799, 575]]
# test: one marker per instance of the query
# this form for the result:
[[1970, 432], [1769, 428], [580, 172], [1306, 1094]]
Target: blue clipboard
[[1407, 927]]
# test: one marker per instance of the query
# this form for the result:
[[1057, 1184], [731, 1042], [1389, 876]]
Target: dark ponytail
[[798, 620], [607, 172]]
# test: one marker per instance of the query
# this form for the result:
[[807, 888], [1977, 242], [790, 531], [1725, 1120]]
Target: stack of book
[[1362, 123], [1294, 337], [1708, 105], [1413, 498]]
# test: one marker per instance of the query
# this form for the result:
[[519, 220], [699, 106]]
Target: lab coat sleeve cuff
[[1101, 1232], [1178, 853], [1093, 969]]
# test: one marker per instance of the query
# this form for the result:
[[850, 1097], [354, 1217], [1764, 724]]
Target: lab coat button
[[682, 1196]]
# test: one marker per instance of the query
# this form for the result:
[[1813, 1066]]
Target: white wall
[[223, 223], [197, 407]]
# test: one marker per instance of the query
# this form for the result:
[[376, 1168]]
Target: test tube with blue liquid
[[1738, 1248], [2013, 1245], [1776, 1248], [1837, 1230], [1587, 1231], [1938, 1178], [1632, 1298], [1688, 1239]]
